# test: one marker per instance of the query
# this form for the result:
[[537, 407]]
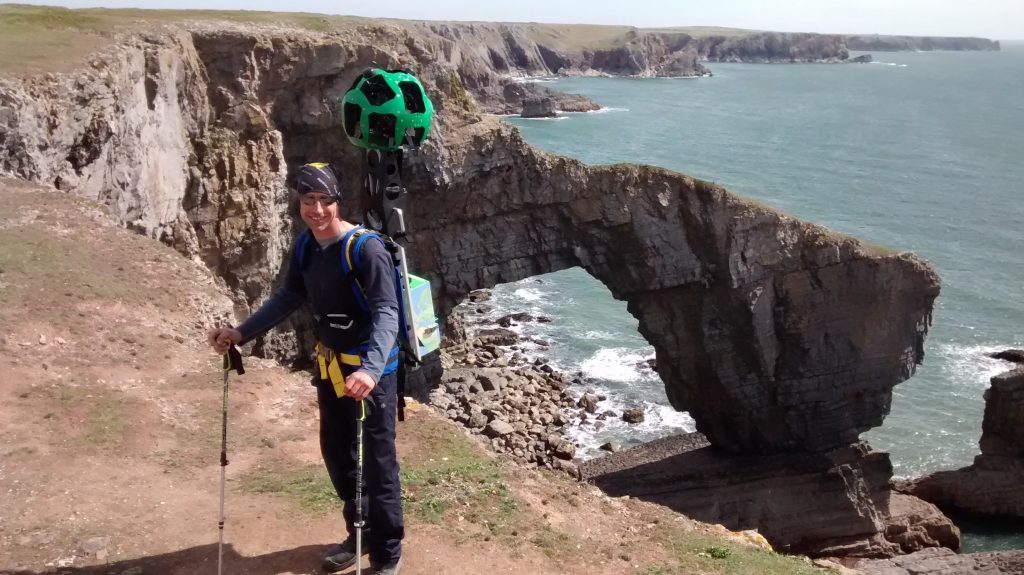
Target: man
[[362, 336]]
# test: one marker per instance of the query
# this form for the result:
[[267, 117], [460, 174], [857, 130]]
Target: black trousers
[[382, 491]]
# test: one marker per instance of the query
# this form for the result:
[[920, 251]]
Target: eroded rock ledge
[[946, 562], [836, 503]]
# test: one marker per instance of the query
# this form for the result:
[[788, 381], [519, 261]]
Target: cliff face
[[529, 49], [778, 336], [775, 334], [773, 47], [876, 43]]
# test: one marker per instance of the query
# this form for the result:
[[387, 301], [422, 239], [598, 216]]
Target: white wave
[[533, 79], [888, 64], [616, 364], [971, 363], [601, 110], [599, 334], [659, 421], [555, 119], [529, 294]]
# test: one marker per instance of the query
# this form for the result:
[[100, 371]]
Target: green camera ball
[[385, 110]]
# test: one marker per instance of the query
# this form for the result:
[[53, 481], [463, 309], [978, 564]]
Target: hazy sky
[[998, 19]]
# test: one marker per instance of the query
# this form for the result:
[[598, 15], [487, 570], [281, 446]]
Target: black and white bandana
[[318, 177]]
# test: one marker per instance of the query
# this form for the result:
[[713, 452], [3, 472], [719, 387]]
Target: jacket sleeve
[[377, 276], [285, 300]]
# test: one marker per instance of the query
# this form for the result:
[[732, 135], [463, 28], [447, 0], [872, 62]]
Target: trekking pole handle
[[233, 360]]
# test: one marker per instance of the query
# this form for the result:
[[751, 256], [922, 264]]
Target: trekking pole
[[232, 362], [358, 524]]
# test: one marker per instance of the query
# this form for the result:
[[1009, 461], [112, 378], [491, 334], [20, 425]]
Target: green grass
[[307, 486], [579, 36], [694, 553], [653, 570], [107, 422], [36, 39], [103, 413], [51, 255], [34, 259], [449, 475], [703, 31], [553, 543]]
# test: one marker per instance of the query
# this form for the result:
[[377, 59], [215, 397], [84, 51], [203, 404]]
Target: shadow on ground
[[203, 559]]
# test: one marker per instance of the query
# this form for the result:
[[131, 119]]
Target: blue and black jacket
[[316, 274]]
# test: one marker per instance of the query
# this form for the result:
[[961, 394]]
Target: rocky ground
[[110, 434], [519, 403]]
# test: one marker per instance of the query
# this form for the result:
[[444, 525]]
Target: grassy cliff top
[[37, 39]]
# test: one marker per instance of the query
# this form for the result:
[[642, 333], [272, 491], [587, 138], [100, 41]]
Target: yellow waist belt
[[330, 363]]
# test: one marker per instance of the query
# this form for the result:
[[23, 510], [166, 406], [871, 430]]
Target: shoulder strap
[[350, 262], [346, 250], [301, 247], [357, 254]]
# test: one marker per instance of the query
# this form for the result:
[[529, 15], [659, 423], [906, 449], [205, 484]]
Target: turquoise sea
[[920, 152]]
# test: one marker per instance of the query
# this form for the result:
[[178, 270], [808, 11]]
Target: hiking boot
[[390, 568], [342, 556]]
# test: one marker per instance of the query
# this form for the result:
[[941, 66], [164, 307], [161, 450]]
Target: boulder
[[1014, 355], [633, 415], [498, 428], [914, 524], [539, 108], [588, 402], [561, 448], [480, 295]]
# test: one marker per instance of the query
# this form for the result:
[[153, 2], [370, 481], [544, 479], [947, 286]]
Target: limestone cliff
[[772, 47], [778, 336], [775, 334], [877, 43]]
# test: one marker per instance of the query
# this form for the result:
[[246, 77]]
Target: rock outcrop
[[518, 92], [538, 108], [994, 485], [915, 524], [942, 561], [834, 503], [1011, 355], [783, 340]]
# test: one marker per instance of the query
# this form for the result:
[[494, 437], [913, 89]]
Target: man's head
[[319, 193]]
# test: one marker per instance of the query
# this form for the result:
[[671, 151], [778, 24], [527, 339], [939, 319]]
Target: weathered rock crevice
[[781, 339]]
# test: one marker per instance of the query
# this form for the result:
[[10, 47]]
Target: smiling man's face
[[321, 214]]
